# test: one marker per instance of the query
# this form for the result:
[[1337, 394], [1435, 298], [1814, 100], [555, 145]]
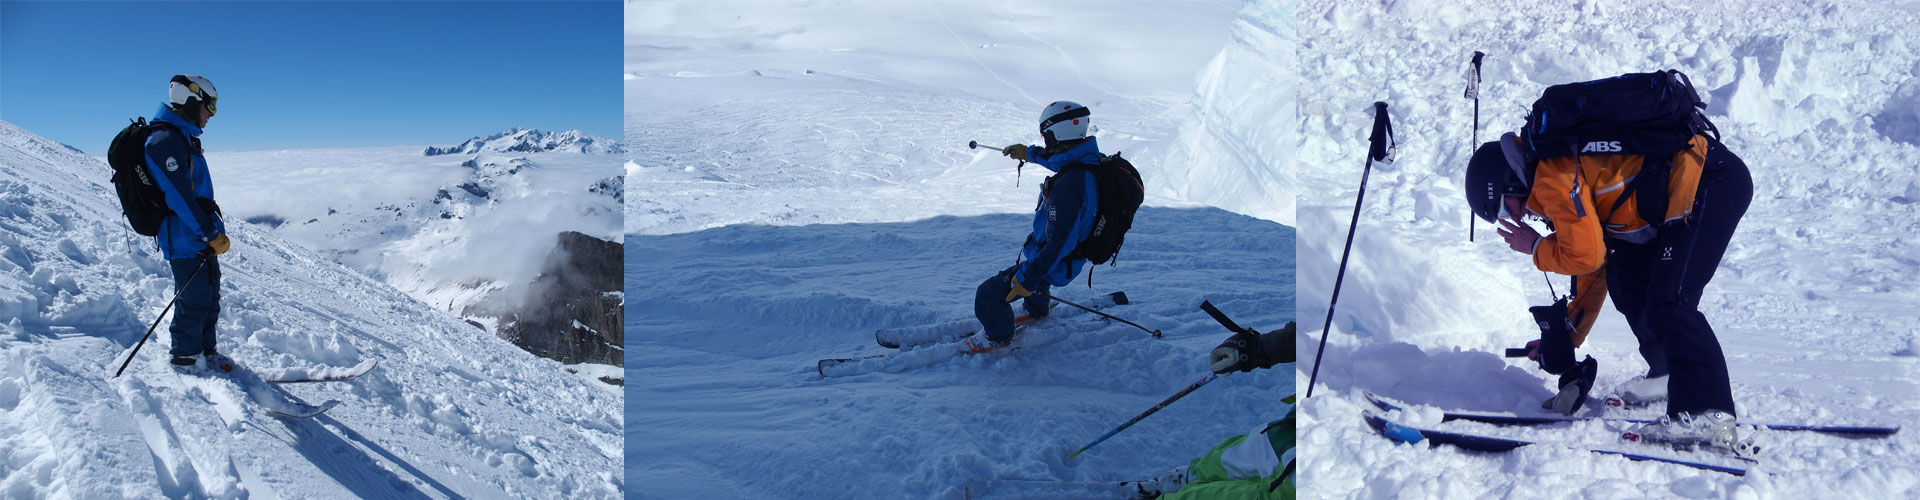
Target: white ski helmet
[[185, 90], [1064, 121]]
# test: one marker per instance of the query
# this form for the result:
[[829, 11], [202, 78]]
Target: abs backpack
[[140, 199], [1648, 114], [1120, 192]]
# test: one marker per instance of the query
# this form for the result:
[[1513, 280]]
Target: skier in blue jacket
[[193, 235], [1064, 217]]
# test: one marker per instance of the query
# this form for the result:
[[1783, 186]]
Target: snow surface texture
[[451, 411], [726, 402], [465, 228], [1814, 305], [741, 112], [799, 177]]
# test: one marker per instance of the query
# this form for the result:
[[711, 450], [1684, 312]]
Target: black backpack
[[140, 199], [1648, 114], [1121, 192]]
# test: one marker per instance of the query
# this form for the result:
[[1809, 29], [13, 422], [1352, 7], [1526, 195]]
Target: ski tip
[[1396, 432], [1381, 402]]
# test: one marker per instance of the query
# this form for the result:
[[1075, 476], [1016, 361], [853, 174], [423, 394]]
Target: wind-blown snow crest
[[450, 412], [1813, 304], [1237, 148]]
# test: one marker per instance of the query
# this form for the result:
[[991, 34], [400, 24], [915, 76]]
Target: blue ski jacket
[[1064, 218], [177, 165]]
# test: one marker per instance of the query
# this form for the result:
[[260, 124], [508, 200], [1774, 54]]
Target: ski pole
[[1473, 92], [1016, 168], [1156, 333], [1380, 148], [1163, 404], [156, 319]]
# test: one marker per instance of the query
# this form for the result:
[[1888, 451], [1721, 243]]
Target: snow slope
[[451, 411], [799, 177], [726, 402], [742, 111], [1814, 305]]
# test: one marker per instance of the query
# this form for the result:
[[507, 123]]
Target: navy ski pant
[[198, 307], [1657, 286], [990, 304]]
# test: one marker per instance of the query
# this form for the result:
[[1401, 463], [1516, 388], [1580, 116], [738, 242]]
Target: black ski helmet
[[1497, 169]]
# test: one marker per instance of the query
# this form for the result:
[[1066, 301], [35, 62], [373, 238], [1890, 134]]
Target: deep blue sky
[[314, 74]]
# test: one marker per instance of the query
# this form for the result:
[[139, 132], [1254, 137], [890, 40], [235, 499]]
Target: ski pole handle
[[1516, 352]]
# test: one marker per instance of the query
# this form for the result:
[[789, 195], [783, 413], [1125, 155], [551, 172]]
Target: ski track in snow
[[450, 412], [1814, 304]]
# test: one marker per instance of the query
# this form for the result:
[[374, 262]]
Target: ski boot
[[980, 343], [1641, 391], [1574, 385], [217, 362], [1170, 482], [1713, 429]]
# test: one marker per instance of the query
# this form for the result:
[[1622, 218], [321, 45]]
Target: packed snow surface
[[450, 412], [800, 177], [1814, 305]]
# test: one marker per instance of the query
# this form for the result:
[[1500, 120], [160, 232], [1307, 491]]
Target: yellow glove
[[1018, 291], [219, 244], [1017, 152]]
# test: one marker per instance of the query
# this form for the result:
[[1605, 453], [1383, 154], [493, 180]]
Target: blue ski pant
[[1657, 286], [990, 304], [197, 281]]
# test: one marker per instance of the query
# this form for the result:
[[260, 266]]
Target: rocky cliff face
[[574, 313]]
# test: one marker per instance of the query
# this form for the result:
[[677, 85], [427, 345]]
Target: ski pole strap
[[1150, 411], [1381, 144], [1222, 318]]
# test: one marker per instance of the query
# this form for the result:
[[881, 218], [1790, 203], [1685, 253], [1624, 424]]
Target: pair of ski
[[289, 409], [930, 344], [1407, 434]]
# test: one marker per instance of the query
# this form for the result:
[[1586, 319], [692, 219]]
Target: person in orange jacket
[[1655, 266]]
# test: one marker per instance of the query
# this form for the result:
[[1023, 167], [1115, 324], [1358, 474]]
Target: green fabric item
[[1208, 479]]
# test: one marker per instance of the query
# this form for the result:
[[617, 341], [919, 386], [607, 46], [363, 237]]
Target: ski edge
[[1412, 435]]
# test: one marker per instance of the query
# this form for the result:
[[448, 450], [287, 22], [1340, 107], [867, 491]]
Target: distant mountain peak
[[521, 140]]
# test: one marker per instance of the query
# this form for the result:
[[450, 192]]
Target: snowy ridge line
[[1499, 419], [1412, 435]]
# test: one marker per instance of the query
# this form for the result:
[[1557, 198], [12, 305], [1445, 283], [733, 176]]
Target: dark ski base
[[1409, 435], [1850, 431]]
